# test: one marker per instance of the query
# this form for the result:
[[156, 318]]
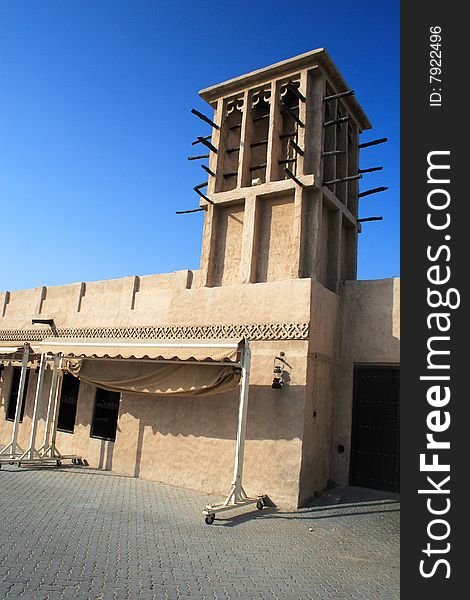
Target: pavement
[[80, 533]]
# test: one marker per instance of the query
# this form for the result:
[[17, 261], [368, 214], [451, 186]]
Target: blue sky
[[95, 124]]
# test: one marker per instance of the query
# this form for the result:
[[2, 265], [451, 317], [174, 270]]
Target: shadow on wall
[[371, 324], [272, 415]]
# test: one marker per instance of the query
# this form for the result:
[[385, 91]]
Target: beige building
[[138, 391]]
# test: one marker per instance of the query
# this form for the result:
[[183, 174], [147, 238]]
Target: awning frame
[[237, 495]]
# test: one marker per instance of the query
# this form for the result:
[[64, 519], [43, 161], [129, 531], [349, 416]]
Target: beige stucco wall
[[292, 434], [368, 333], [319, 401], [188, 442]]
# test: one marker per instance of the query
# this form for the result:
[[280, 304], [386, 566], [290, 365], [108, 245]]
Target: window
[[15, 388], [68, 403], [106, 415]]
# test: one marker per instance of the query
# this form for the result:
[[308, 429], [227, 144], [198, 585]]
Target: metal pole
[[56, 405], [34, 425], [237, 490], [50, 406], [13, 445]]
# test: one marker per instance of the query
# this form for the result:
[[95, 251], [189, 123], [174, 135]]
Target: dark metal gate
[[375, 444]]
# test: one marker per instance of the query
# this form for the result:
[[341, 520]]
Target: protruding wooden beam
[[370, 219], [373, 143], [200, 186], [200, 157], [293, 115], [333, 152], [295, 90], [342, 179], [186, 212], [340, 95], [371, 170], [206, 143], [204, 118], [296, 147], [373, 191], [290, 134], [337, 121], [258, 167], [261, 118], [291, 175], [260, 143], [203, 196], [207, 170], [198, 141]]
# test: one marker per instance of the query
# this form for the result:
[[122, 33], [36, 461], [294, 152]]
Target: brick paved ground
[[78, 533]]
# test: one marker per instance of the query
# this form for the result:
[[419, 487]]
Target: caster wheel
[[59, 463], [209, 519], [74, 461], [259, 505]]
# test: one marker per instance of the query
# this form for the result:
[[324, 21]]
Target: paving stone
[[77, 533]]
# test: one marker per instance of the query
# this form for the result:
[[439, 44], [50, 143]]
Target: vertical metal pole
[[50, 405], [34, 425], [241, 432], [20, 399], [55, 416]]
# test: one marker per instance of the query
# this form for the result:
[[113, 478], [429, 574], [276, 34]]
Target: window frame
[[98, 392], [62, 429], [11, 419]]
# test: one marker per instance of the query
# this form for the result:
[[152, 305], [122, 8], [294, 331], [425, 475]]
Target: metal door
[[375, 444]]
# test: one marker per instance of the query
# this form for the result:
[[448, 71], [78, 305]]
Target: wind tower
[[281, 196]]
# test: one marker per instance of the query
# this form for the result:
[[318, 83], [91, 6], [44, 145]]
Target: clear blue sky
[[95, 124]]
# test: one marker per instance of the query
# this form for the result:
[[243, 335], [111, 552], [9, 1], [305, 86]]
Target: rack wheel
[[0, 465], [209, 519], [74, 461]]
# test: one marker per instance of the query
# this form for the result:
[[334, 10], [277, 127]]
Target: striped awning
[[196, 350], [10, 347]]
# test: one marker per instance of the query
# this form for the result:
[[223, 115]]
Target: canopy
[[174, 379], [165, 367], [8, 350], [199, 350], [7, 347]]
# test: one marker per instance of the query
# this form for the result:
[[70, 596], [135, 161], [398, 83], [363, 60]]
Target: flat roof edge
[[320, 55]]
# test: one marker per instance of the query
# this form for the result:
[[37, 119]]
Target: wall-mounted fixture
[[278, 371], [277, 377]]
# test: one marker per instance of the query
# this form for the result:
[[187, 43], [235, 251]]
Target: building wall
[[369, 333], [292, 434], [319, 403], [190, 441]]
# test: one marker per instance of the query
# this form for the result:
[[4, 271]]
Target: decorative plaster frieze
[[251, 331]]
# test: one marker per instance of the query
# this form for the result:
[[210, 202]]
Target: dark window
[[68, 403], [106, 415], [15, 388]]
